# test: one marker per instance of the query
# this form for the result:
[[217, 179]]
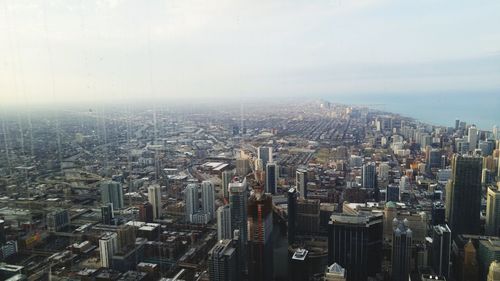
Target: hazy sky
[[59, 51]]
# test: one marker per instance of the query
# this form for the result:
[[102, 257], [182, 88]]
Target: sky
[[67, 51]]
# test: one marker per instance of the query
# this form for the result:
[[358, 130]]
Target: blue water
[[481, 109]]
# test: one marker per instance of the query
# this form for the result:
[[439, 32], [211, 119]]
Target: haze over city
[[59, 51]]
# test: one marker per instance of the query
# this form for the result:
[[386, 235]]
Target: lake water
[[482, 109]]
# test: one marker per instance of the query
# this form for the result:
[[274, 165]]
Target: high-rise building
[[208, 199], [3, 237], [401, 251], [469, 268], [292, 215], [369, 175], [223, 261], [494, 271], [146, 212], [355, 242], [260, 228], [111, 192], [433, 158], [307, 216], [108, 246], [57, 220], [191, 199], [265, 153], [238, 204], [242, 167], [227, 176], [154, 198], [271, 177], [335, 272], [472, 137], [224, 230], [493, 211], [107, 214], [126, 238], [441, 250], [438, 214], [301, 182], [463, 195], [488, 252], [392, 193]]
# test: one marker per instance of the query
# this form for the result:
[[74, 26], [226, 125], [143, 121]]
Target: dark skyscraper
[[463, 195], [438, 213], [401, 250], [238, 204], [107, 214], [292, 215], [271, 178], [222, 261], [369, 175], [2, 232], [146, 212], [260, 228], [441, 249], [355, 243]]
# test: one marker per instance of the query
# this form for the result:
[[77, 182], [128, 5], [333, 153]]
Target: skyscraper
[[271, 177], [369, 175], [292, 215], [107, 213], [242, 167], [441, 250], [224, 230], [265, 153], [438, 215], [355, 242], [260, 228], [191, 199], [226, 179], [401, 250], [154, 198], [57, 219], [301, 182], [493, 211], [208, 199], [146, 212], [222, 261], [463, 195], [238, 205], [108, 246], [111, 192], [472, 137]]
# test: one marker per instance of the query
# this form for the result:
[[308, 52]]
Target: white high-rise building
[[472, 138], [154, 197], [208, 199], [191, 199], [224, 230], [108, 245], [496, 133], [301, 182]]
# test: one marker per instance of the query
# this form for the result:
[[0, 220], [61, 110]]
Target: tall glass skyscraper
[[111, 192], [463, 195]]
